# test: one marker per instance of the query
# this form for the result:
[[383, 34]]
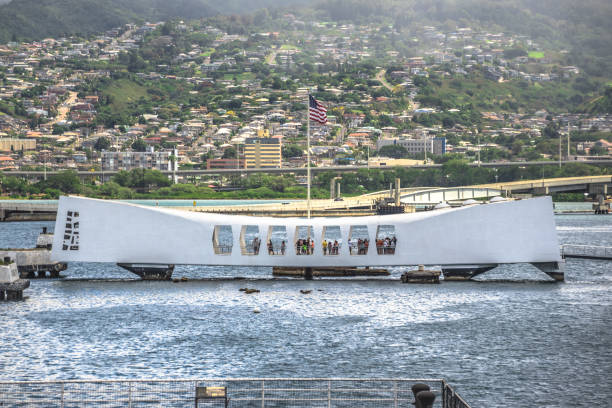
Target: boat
[[151, 240]]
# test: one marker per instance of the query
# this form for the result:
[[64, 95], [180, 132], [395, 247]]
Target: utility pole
[[568, 140], [478, 144], [560, 150]]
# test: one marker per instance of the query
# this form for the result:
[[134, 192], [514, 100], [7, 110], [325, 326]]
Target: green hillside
[[582, 28], [35, 19], [576, 95], [601, 103]]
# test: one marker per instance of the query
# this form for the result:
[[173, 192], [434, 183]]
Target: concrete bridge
[[592, 185]]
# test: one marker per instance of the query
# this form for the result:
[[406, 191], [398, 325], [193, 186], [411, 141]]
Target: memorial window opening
[[304, 240], [250, 241], [359, 240], [277, 240], [332, 240], [223, 239], [386, 240]]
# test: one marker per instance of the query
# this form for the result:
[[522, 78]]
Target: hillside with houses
[[207, 93]]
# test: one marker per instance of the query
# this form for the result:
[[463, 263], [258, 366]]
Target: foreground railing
[[238, 392]]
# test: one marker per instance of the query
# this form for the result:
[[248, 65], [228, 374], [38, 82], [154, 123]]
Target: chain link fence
[[240, 392]]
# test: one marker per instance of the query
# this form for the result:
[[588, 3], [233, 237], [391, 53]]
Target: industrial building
[[153, 160]]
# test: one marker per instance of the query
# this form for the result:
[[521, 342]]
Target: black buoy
[[416, 388], [425, 399]]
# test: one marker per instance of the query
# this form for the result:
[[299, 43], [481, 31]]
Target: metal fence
[[240, 392]]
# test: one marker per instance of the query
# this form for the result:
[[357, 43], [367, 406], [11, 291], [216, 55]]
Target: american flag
[[317, 111]]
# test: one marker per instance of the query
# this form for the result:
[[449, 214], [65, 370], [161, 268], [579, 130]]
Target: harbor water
[[523, 343]]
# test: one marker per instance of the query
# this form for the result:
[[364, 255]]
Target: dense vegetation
[[35, 19], [582, 28], [476, 92], [152, 184]]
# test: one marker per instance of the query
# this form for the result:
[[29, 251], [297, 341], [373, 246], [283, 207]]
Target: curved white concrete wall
[[108, 231]]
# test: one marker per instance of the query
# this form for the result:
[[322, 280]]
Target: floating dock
[[421, 275], [328, 272], [11, 286], [586, 252], [35, 262]]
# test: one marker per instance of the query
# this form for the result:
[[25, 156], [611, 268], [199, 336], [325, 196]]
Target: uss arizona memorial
[[468, 238]]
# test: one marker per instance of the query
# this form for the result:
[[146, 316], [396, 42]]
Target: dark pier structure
[[11, 286]]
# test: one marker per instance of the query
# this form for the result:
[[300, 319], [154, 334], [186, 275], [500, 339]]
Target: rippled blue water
[[500, 344]]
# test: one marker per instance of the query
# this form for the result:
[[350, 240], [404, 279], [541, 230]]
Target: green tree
[[139, 145], [229, 153], [394, 151], [102, 144], [289, 151], [66, 181]]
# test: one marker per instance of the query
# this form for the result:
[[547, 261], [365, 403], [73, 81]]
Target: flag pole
[[308, 155]]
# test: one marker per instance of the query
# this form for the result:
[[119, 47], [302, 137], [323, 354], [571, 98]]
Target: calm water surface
[[500, 344]]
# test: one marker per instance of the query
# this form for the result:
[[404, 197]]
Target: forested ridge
[[582, 28], [36, 19]]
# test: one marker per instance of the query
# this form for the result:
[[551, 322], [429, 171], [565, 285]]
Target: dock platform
[[586, 252], [329, 272]]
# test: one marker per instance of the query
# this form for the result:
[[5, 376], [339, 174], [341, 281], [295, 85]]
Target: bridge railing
[[453, 193], [239, 392]]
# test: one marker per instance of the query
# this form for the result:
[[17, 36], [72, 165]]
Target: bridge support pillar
[[397, 191], [553, 269], [308, 273], [2, 215], [541, 190], [596, 189]]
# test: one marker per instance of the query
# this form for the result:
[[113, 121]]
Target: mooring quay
[[586, 252], [235, 392]]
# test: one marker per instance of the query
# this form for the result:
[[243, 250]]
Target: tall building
[[262, 152], [165, 161]]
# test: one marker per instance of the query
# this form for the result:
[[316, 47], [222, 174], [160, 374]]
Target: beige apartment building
[[15, 145], [262, 152]]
